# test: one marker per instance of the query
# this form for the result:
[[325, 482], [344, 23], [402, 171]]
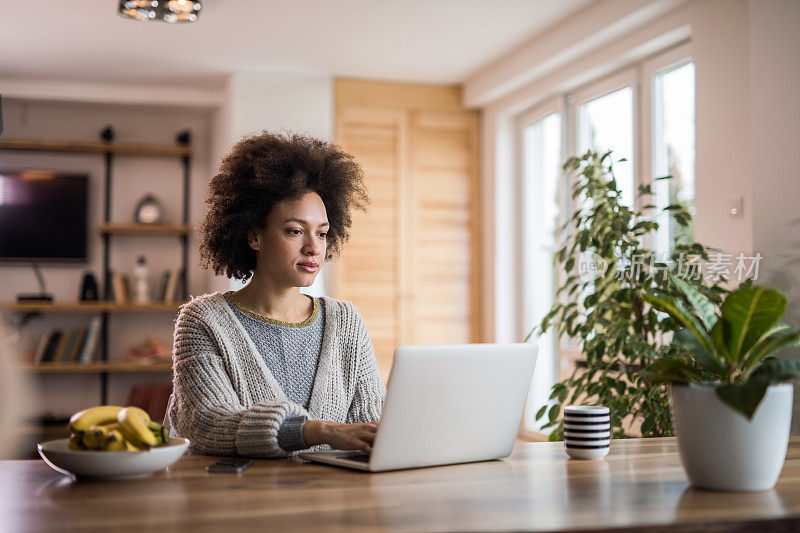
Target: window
[[606, 123], [644, 114], [542, 154], [605, 112], [673, 148]]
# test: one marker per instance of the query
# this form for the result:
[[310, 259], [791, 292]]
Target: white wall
[[774, 139], [774, 85]]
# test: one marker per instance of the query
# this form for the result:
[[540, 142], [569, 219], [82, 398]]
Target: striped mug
[[587, 431]]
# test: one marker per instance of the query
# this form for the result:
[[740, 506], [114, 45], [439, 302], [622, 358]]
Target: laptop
[[446, 404]]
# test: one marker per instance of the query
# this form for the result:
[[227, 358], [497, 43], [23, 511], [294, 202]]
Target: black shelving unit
[[107, 135], [109, 151]]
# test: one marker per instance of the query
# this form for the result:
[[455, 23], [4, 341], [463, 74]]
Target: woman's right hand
[[340, 436]]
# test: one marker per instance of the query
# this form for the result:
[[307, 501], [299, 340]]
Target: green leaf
[[679, 313], [540, 412], [590, 300], [557, 388], [704, 357], [705, 309], [583, 240], [670, 370], [562, 394], [718, 340], [744, 396], [648, 425], [778, 369], [552, 415], [750, 312], [774, 340]]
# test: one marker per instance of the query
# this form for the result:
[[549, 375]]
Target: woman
[[267, 371]]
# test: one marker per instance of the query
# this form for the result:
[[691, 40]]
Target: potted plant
[[731, 404], [602, 308]]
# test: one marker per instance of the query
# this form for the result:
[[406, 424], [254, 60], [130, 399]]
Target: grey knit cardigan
[[226, 401]]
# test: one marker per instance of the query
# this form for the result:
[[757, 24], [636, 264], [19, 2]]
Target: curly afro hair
[[260, 171]]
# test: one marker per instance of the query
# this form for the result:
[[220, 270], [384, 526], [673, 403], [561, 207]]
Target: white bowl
[[110, 465]]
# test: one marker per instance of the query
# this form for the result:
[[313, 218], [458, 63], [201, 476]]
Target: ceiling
[[434, 41]]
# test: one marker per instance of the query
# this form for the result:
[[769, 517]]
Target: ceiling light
[[138, 9], [171, 11]]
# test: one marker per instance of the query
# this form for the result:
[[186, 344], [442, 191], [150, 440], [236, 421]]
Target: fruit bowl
[[98, 464]]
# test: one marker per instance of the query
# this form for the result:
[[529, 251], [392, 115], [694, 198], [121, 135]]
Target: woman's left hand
[[340, 436]]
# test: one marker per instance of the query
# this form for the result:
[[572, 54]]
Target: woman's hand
[[340, 436]]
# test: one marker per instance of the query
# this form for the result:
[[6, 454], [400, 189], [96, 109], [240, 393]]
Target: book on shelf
[[41, 348], [161, 289], [69, 345], [170, 285], [52, 344], [59, 349], [120, 284], [169, 295], [76, 349], [75, 345], [90, 345]]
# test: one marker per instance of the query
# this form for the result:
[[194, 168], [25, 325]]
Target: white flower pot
[[720, 448]]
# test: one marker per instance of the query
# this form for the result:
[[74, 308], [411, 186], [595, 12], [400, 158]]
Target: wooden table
[[640, 485]]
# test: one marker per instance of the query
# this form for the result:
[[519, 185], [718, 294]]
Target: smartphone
[[231, 465]]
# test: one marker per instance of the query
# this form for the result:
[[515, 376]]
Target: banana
[[114, 442], [81, 421], [132, 447], [94, 436], [76, 443], [133, 422], [156, 428]]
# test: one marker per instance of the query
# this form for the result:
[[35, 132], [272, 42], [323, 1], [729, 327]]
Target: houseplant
[[732, 411], [604, 312]]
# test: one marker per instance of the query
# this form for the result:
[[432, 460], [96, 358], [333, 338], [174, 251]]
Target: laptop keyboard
[[360, 457]]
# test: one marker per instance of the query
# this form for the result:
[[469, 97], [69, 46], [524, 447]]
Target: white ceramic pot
[[721, 449]]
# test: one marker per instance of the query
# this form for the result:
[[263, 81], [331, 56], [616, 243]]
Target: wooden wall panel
[[366, 272], [410, 265], [443, 159]]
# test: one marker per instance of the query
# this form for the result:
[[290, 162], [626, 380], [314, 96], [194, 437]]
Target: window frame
[[627, 77], [523, 312], [672, 58], [521, 122]]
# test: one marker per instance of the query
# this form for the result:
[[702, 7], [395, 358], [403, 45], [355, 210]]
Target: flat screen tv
[[43, 216]]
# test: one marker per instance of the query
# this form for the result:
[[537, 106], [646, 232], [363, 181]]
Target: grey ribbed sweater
[[291, 352], [226, 401]]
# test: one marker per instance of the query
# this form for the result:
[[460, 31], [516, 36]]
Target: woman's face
[[291, 246]]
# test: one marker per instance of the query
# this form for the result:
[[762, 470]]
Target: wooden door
[[410, 264]]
